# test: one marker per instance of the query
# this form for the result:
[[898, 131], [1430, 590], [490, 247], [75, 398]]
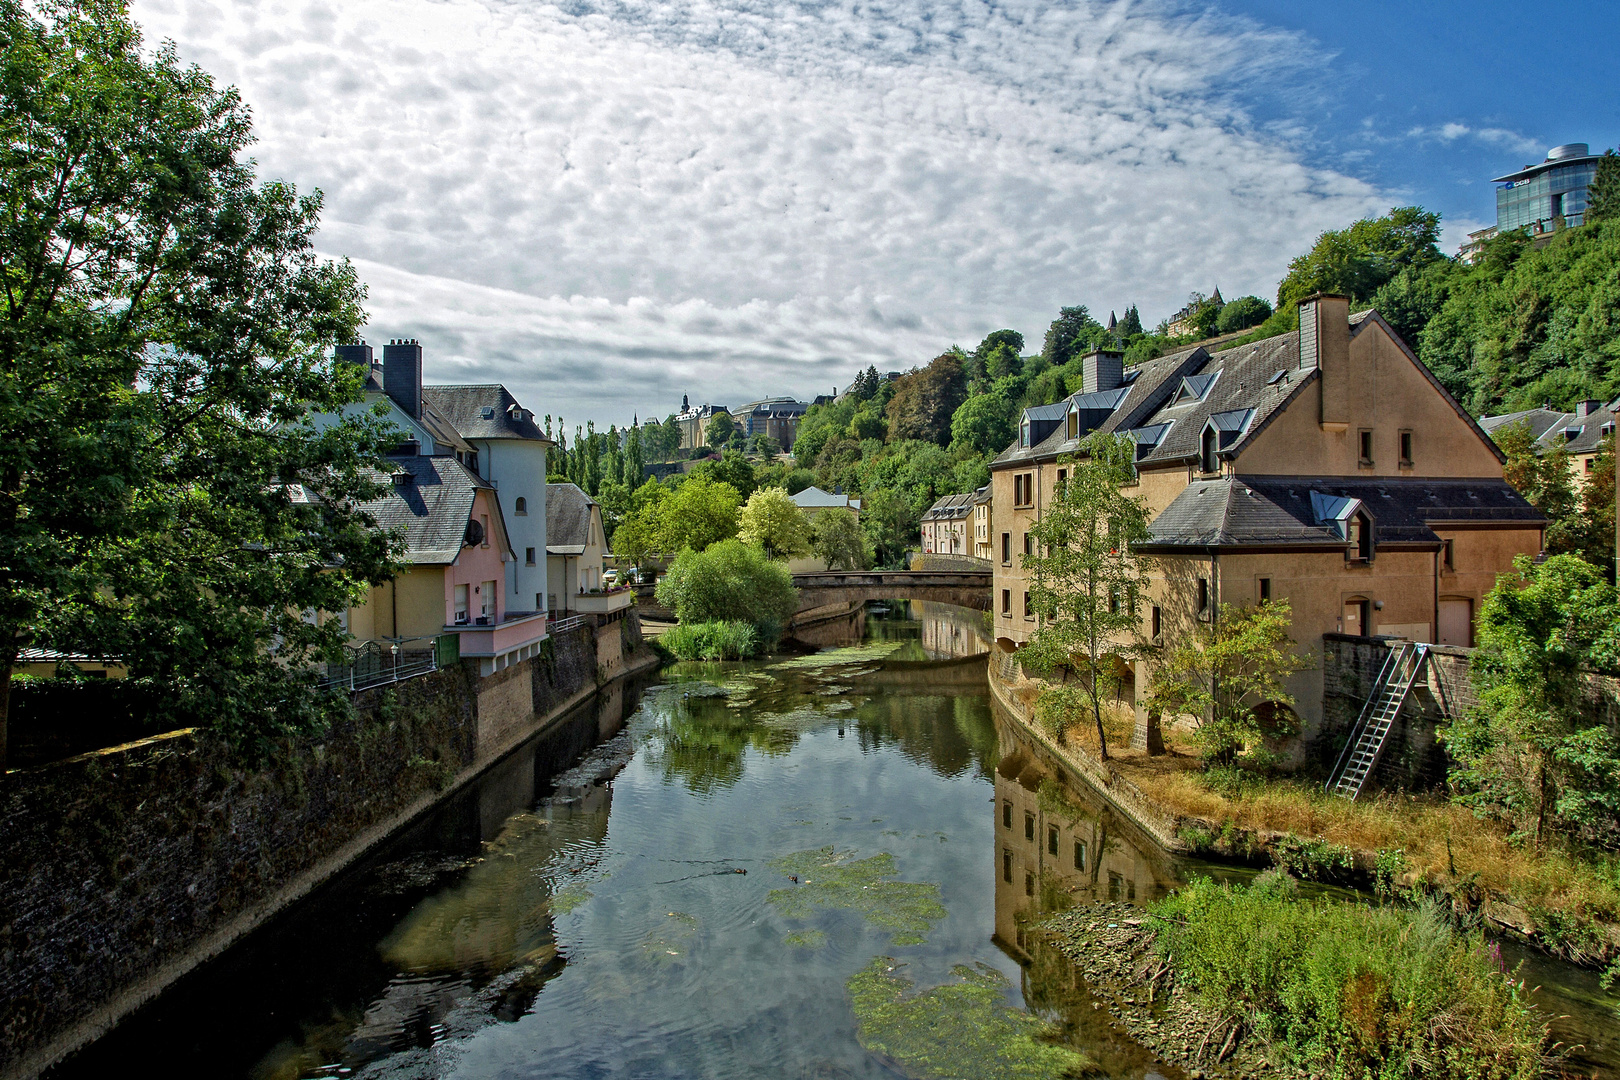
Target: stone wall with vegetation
[[123, 868], [1413, 757]]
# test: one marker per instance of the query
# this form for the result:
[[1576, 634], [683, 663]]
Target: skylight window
[[1277, 378]]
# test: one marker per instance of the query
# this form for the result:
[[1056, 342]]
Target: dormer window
[[1023, 434], [1361, 537], [1572, 433], [1207, 460], [1194, 388], [1074, 424], [487, 412]]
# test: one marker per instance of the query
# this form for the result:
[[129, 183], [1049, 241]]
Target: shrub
[[1351, 990], [729, 581], [715, 640]]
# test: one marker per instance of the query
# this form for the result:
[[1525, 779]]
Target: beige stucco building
[[1327, 467], [1578, 434]]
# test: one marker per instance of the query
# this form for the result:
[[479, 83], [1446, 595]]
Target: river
[[682, 878]]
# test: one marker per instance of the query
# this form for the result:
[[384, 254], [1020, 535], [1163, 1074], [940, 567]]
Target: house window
[[1074, 424], [1406, 449], [521, 507], [1029, 825], [1079, 854], [1158, 624], [1203, 598], [1063, 478], [484, 518], [1265, 590], [1029, 545], [1447, 556], [1206, 453], [1029, 607], [461, 604], [1006, 866], [486, 600], [1051, 840], [1006, 549], [1029, 883], [1361, 538], [1024, 489], [1113, 601], [1006, 601], [1589, 462], [1366, 446], [1006, 815], [528, 556]]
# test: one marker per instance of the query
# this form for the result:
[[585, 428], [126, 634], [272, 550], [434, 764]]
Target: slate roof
[[1168, 401], [1248, 511], [1578, 434], [813, 498], [568, 519], [951, 508], [433, 508], [465, 408], [436, 423]]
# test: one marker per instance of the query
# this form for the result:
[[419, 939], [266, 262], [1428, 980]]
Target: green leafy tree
[[1358, 260], [773, 522], [733, 468], [1086, 583], [1229, 676], [719, 429], [636, 537], [984, 423], [1242, 313], [1130, 324], [865, 386], [764, 446], [925, 400], [836, 539], [1603, 195], [729, 581], [868, 424], [1533, 752], [1542, 477], [167, 495], [1011, 340], [696, 514], [890, 523], [635, 466], [1003, 361], [1069, 335]]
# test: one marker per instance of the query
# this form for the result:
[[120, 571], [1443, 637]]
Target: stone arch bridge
[[966, 588]]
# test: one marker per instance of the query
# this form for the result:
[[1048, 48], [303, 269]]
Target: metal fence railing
[[382, 661], [563, 625]]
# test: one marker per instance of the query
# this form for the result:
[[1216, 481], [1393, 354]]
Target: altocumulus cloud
[[605, 205]]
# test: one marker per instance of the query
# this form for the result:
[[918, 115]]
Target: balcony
[[503, 644], [601, 603]]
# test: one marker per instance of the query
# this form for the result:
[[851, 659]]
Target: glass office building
[[1537, 195]]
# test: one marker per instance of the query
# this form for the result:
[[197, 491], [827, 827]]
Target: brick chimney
[[1324, 344], [1101, 369], [402, 375]]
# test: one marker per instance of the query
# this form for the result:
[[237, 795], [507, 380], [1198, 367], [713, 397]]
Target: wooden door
[[1457, 622]]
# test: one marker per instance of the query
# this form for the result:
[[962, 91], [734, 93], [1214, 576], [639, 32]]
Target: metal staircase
[[1389, 692]]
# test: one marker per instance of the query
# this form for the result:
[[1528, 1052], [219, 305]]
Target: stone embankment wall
[[122, 869], [1413, 758]]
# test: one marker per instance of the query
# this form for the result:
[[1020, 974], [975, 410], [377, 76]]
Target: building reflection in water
[[1059, 844], [932, 631]]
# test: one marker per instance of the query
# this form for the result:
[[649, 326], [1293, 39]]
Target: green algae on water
[[569, 897], [828, 878], [961, 1030], [806, 939]]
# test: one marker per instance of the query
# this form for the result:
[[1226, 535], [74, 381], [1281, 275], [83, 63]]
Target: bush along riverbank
[[1250, 981], [718, 639]]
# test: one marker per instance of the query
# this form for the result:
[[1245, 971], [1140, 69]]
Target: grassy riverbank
[[1567, 901], [1348, 990]]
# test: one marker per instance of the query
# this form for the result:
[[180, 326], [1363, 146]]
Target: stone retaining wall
[[122, 869]]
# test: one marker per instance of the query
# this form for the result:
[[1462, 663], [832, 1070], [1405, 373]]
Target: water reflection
[[929, 631]]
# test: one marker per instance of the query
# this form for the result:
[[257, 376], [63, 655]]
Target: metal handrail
[[382, 662]]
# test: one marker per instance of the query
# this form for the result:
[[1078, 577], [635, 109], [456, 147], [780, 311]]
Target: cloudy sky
[[605, 204]]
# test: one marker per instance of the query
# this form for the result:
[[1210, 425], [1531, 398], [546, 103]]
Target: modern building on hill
[[1537, 196], [1578, 434], [1542, 197], [946, 526], [1326, 467], [776, 418]]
